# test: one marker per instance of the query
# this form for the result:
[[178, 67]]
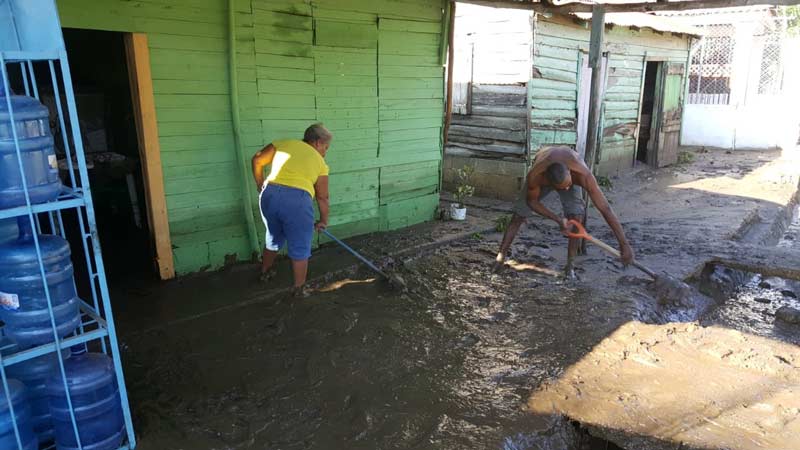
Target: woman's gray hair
[[317, 132]]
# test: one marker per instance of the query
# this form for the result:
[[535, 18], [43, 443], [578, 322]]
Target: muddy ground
[[220, 361]]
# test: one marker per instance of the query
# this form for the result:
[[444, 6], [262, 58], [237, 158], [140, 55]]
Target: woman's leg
[[300, 270], [274, 237]]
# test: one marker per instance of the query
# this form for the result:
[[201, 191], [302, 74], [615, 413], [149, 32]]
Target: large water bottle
[[32, 121], [8, 230], [22, 296], [34, 373], [95, 400], [22, 415]]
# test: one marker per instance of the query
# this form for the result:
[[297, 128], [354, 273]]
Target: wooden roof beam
[[660, 5]]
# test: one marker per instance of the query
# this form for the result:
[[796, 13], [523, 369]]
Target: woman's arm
[[260, 160], [323, 201]]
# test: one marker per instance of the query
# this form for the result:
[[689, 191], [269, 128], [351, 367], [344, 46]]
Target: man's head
[[318, 137], [559, 177]]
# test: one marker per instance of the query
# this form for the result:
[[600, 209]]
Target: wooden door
[[584, 92], [669, 113]]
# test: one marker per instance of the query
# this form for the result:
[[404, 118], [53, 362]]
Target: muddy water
[[449, 365], [748, 302]]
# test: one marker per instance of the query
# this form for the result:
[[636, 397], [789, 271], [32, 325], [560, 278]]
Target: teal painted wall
[[559, 45], [370, 70]]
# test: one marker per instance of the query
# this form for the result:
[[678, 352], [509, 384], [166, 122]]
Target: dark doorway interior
[[103, 96], [646, 117]]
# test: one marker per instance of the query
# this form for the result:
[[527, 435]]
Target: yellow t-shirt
[[297, 164]]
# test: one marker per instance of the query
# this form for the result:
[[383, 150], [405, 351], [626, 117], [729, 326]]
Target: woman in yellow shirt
[[297, 176]]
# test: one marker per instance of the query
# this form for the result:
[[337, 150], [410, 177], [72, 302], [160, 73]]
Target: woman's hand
[[320, 226]]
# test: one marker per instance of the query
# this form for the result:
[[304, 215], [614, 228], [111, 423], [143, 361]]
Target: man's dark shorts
[[571, 201]]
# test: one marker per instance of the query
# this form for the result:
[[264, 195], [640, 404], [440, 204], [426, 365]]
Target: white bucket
[[457, 213]]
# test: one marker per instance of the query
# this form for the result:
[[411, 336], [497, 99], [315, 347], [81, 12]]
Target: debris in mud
[[762, 300], [788, 293], [765, 285], [788, 314], [469, 340]]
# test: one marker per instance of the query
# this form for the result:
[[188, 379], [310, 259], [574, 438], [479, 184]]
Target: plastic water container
[[8, 230], [22, 297], [32, 121], [22, 414], [95, 401], [34, 373]]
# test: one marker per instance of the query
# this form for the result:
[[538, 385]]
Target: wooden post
[[595, 97], [595, 94], [450, 59], [141, 83]]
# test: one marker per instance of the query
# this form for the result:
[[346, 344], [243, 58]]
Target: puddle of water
[[748, 302]]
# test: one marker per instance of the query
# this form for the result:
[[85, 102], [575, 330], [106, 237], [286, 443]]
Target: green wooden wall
[[369, 69], [559, 45]]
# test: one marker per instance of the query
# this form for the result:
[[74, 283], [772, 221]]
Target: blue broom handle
[[354, 253]]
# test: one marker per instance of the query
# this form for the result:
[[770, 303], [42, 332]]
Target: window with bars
[[711, 67], [770, 75]]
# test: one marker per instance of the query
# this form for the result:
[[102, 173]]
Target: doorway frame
[[140, 78], [655, 121]]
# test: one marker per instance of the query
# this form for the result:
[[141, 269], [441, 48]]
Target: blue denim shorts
[[288, 215]]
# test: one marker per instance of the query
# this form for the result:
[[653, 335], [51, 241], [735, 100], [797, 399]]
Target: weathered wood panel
[[297, 63], [560, 41]]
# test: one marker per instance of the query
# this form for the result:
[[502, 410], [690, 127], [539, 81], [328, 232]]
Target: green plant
[[604, 182], [501, 223], [464, 189], [477, 236], [685, 157]]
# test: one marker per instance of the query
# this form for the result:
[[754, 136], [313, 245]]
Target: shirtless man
[[561, 169]]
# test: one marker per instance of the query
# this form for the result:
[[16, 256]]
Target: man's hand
[[626, 254], [563, 225], [319, 226]]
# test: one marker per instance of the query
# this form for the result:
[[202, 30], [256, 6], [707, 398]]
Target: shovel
[[667, 287], [394, 280]]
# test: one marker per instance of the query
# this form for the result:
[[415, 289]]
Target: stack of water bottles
[[65, 397]]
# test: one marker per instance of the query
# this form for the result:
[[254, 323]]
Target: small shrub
[[464, 189], [605, 182], [685, 157], [501, 223]]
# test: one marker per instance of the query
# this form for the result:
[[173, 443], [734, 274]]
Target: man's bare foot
[[569, 272], [498, 264]]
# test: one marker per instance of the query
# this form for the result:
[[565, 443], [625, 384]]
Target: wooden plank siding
[[369, 69], [559, 45]]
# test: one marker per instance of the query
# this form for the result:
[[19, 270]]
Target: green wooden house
[[645, 59], [215, 80], [644, 62]]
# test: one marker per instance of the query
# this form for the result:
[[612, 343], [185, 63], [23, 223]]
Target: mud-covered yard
[[470, 360]]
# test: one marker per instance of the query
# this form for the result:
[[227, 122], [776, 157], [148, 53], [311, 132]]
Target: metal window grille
[[711, 67], [767, 41]]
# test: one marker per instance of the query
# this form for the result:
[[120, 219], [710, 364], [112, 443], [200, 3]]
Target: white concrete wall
[[750, 121]]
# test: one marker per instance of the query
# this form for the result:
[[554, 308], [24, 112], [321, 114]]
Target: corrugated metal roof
[[645, 20]]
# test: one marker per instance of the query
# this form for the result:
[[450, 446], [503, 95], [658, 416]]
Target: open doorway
[[107, 120], [645, 145]]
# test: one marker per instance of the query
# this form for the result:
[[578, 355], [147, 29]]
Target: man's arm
[[323, 201], [260, 160], [600, 202]]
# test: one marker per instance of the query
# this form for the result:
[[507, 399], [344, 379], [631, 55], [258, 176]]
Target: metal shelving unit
[[32, 48]]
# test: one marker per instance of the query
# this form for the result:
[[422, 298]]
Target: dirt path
[[452, 364]]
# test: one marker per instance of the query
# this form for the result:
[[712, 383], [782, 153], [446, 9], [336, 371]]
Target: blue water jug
[[22, 297], [95, 400], [32, 122], [22, 414], [8, 230], [34, 373]]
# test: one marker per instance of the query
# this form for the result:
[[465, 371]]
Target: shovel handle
[[581, 233]]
